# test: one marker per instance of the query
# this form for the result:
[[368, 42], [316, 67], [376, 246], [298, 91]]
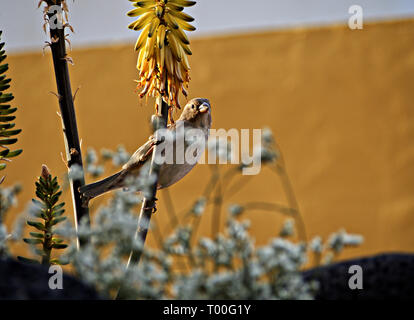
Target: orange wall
[[339, 102]]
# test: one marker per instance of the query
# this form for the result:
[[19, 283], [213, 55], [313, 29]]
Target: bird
[[195, 115]]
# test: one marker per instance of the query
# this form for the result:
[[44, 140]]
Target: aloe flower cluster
[[163, 47]]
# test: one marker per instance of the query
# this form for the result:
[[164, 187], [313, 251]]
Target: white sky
[[98, 22]]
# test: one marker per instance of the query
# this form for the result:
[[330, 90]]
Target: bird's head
[[198, 111]]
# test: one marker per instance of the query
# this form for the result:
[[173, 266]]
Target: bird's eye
[[192, 107]]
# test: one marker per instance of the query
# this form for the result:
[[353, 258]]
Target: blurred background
[[338, 100]]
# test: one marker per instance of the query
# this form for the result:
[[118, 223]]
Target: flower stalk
[[163, 73], [149, 202], [66, 104]]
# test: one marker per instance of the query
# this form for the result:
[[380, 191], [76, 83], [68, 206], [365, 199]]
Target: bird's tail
[[95, 189]]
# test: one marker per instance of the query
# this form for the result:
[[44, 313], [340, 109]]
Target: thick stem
[[67, 111], [148, 203]]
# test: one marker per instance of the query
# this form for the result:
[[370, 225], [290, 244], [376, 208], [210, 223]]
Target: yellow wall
[[339, 102]]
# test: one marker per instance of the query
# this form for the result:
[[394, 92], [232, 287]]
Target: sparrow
[[195, 115]]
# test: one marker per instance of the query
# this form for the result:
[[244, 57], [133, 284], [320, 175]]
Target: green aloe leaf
[[7, 118], [7, 141], [6, 97], [8, 110], [4, 68], [3, 79], [10, 133], [14, 153], [6, 126]]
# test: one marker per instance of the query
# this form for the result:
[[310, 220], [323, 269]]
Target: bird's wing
[[141, 155]]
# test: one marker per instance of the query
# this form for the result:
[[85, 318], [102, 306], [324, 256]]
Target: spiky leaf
[[6, 112]]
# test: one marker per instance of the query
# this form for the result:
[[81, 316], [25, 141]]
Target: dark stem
[[67, 112], [47, 242], [149, 203]]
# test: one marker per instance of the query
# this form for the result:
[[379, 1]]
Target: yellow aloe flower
[[163, 48]]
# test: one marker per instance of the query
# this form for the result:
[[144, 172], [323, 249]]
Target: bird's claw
[[152, 207]]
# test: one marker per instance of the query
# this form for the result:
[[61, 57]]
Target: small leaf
[[7, 141], [6, 118], [40, 195], [3, 80], [59, 246], [58, 206], [7, 111], [6, 125], [10, 133], [36, 235], [6, 97], [26, 260], [58, 262], [33, 241], [14, 153], [57, 220], [37, 225], [4, 87], [58, 213], [40, 186], [55, 197], [4, 68]]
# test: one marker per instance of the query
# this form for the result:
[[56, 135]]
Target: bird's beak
[[203, 108]]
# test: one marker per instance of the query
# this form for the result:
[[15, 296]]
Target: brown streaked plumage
[[196, 114]]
